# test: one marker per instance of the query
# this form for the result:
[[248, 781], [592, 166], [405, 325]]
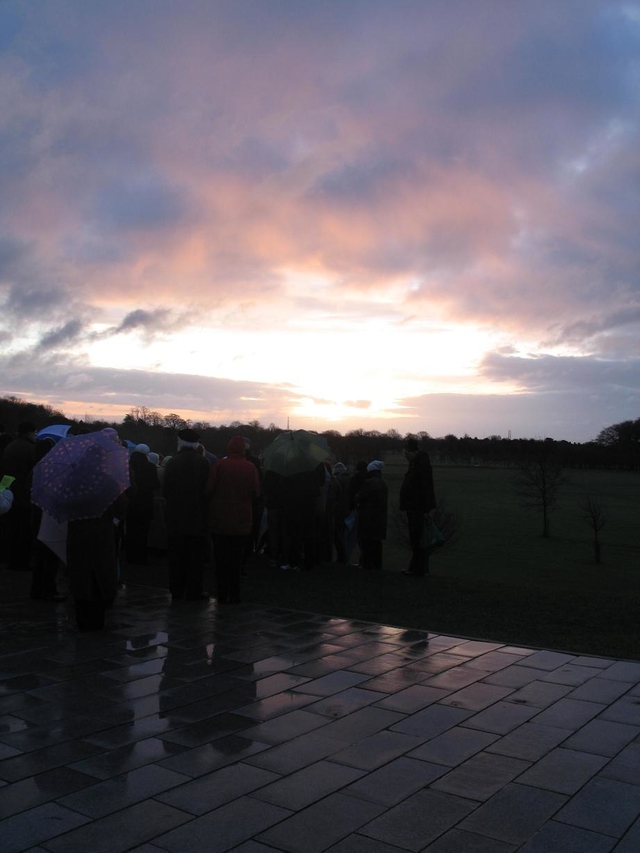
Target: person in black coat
[[371, 507], [418, 500], [144, 487]]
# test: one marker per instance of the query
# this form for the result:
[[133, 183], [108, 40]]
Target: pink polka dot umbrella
[[80, 477]]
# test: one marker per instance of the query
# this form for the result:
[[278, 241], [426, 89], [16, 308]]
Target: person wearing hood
[[144, 486], [184, 490], [371, 507], [232, 488]]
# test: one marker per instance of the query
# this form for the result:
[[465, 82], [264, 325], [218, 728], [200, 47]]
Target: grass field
[[499, 580]]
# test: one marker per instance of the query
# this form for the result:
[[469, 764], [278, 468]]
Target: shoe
[[411, 574], [55, 598], [203, 596]]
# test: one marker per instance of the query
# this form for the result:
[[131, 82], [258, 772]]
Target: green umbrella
[[296, 451]]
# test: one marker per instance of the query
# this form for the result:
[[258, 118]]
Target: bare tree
[[594, 513], [538, 482]]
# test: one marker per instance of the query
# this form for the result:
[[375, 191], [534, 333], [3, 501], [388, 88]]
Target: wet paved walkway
[[191, 728]]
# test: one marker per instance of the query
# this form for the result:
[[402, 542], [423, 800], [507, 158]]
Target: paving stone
[[604, 806], [341, 704], [352, 844], [275, 706], [374, 751], [600, 690], [473, 648], [514, 814], [514, 676], [306, 786], [492, 661], [631, 840], [539, 694], [529, 741], [213, 790], [211, 756], [563, 770], [481, 776], [125, 758], [223, 828], [548, 660], [321, 825], [285, 727], [120, 831], [296, 754], [412, 699], [457, 841], [561, 838], [571, 675], [122, 791], [455, 678], [569, 714], [454, 746], [395, 781], [476, 697], [623, 671], [625, 767], [432, 721], [501, 718], [625, 710], [334, 682], [43, 788], [418, 820], [602, 737], [362, 724], [24, 765], [36, 826]]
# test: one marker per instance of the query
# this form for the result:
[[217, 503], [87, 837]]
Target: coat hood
[[236, 447]]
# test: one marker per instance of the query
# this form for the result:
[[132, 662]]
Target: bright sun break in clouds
[[367, 214]]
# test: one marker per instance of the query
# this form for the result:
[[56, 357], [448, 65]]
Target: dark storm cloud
[[561, 374], [63, 337], [148, 321]]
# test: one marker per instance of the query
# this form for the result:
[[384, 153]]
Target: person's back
[[417, 491], [233, 486], [183, 488], [184, 491]]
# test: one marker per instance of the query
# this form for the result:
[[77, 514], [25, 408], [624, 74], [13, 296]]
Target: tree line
[[617, 446]]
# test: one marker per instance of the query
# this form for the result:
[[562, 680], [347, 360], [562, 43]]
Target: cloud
[[62, 337]]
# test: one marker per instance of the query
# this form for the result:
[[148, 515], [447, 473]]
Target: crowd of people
[[203, 510]]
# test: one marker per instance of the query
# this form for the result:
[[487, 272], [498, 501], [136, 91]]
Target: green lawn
[[499, 580]]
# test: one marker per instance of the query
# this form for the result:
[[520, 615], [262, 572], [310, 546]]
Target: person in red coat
[[233, 486]]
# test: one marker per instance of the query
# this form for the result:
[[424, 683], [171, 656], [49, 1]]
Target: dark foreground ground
[[261, 728]]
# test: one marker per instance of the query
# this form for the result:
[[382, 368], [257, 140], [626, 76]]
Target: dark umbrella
[[296, 451], [80, 477]]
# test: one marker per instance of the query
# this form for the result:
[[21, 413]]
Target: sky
[[378, 214]]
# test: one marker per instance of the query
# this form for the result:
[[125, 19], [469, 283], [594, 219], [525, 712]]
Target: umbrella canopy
[[80, 477], [295, 452], [56, 432]]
